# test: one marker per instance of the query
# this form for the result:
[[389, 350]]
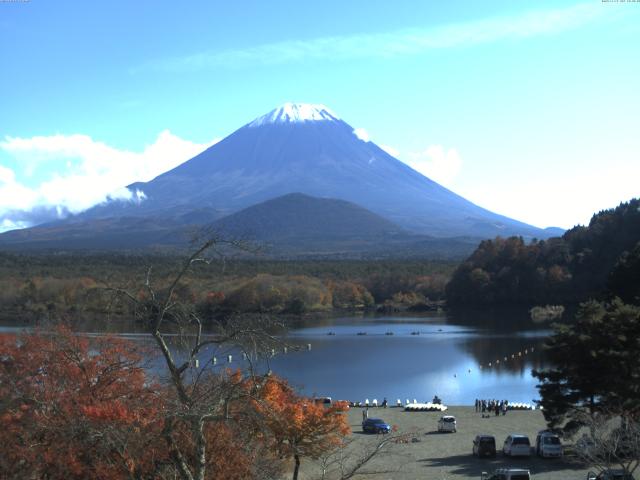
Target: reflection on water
[[397, 357], [411, 358]]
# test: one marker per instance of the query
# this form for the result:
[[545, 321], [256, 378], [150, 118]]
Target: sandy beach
[[447, 456]]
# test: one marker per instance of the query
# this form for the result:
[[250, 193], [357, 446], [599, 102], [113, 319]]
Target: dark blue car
[[375, 425]]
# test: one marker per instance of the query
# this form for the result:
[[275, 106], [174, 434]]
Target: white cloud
[[397, 43], [439, 164], [361, 133], [543, 200], [7, 224], [91, 172], [390, 150], [13, 195]]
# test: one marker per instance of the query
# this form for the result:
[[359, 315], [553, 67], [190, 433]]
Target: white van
[[516, 445], [548, 445], [507, 474]]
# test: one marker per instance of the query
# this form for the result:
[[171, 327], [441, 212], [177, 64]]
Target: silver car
[[447, 423], [516, 445], [548, 445]]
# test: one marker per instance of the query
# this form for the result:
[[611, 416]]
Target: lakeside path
[[447, 456]]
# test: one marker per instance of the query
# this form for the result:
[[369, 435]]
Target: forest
[[69, 287], [597, 261]]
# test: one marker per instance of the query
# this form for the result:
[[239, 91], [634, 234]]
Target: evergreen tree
[[596, 366]]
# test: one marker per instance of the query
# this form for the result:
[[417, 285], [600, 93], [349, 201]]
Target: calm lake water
[[399, 357], [446, 359]]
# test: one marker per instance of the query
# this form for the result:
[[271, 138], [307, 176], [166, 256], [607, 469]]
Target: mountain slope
[[300, 217], [308, 149], [294, 225]]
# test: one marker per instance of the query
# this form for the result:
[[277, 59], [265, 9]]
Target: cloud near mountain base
[[94, 173]]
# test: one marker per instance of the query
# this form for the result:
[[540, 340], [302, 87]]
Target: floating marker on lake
[[308, 346], [229, 358], [196, 363], [284, 349], [214, 360]]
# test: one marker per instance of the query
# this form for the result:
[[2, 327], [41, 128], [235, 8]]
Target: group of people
[[492, 406]]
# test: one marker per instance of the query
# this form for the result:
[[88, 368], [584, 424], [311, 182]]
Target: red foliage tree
[[75, 409], [300, 426]]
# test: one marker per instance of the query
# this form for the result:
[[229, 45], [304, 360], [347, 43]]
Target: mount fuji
[[296, 148]]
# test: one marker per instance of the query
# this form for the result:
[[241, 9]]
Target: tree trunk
[[296, 469]]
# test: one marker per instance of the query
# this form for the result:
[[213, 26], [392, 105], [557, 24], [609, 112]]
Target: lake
[[406, 358], [400, 357]]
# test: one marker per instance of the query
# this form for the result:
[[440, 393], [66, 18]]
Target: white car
[[508, 474], [447, 423], [516, 445], [548, 445]]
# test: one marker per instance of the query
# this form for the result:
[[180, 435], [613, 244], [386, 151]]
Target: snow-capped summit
[[295, 113]]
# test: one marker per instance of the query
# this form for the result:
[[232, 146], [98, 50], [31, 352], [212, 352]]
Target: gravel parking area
[[447, 456]]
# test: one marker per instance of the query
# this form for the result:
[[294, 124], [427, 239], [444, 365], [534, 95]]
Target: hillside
[[291, 226], [586, 262]]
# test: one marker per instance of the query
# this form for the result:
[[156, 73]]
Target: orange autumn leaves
[[70, 412], [76, 408], [300, 426]]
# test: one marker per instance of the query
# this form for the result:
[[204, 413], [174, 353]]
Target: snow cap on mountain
[[295, 113]]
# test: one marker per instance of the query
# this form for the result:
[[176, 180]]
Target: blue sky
[[529, 109]]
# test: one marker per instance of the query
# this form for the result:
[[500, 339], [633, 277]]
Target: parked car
[[375, 425], [548, 445], [610, 474], [516, 445], [586, 447], [484, 446], [447, 423], [507, 474]]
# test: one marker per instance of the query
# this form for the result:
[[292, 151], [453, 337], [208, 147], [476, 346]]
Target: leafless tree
[[610, 441], [201, 395], [354, 458]]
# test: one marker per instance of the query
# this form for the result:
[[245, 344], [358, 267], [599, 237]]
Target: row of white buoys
[[513, 356], [273, 352], [425, 407], [214, 360]]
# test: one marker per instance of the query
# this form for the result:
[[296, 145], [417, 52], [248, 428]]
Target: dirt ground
[[447, 456]]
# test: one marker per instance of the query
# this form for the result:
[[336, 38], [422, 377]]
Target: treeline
[[68, 287], [596, 261]]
